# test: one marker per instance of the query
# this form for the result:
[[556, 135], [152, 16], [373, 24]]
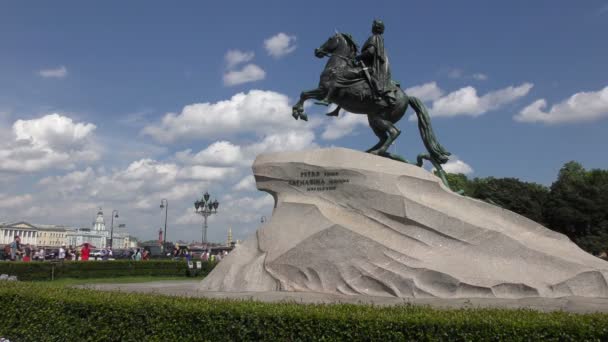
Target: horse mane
[[351, 42]]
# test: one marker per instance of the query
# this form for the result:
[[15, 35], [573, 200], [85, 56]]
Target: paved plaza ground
[[188, 288]]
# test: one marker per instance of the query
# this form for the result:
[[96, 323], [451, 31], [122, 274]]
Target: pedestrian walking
[[61, 254], [85, 251], [16, 250]]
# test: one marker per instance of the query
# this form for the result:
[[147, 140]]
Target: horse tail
[[437, 153]]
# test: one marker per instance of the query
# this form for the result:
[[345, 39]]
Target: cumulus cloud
[[480, 76], [205, 173], [257, 111], [456, 73], [343, 125], [218, 153], [465, 101], [7, 201], [247, 125], [54, 130], [52, 141], [425, 92], [137, 188], [59, 72], [245, 184], [236, 57], [580, 107], [290, 140], [280, 45], [455, 165], [249, 73]]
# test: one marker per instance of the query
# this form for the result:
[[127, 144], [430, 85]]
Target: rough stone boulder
[[347, 222]]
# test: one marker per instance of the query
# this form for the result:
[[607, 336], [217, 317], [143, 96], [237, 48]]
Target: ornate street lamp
[[164, 204], [114, 214], [205, 207]]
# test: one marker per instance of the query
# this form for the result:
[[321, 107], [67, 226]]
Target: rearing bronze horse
[[352, 92]]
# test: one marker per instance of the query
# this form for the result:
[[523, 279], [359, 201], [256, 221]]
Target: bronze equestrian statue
[[362, 84]]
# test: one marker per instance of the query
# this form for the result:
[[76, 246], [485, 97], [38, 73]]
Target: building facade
[[26, 231], [99, 235], [54, 236], [51, 236]]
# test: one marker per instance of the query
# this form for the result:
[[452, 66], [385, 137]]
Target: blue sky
[[85, 87]]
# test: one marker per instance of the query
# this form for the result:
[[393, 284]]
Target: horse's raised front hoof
[[303, 116], [296, 112]]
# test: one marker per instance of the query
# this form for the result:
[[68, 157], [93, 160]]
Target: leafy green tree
[[578, 206], [524, 198], [460, 182]]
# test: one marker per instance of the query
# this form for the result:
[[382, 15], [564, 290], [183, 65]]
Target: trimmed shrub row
[[36, 271], [39, 312]]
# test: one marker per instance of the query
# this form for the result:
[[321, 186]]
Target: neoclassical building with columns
[[55, 236], [26, 231]]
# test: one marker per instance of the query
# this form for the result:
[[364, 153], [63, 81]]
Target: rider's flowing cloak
[[379, 65]]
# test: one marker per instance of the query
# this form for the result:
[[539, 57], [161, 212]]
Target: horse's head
[[340, 43]]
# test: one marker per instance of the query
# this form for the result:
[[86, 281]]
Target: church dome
[[99, 223]]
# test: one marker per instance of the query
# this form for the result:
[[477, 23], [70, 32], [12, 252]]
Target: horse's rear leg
[[379, 131], [388, 128]]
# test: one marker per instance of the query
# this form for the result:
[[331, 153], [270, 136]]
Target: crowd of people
[[16, 251], [206, 256], [188, 255]]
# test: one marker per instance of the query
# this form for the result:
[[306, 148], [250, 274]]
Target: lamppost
[[114, 214], [205, 207], [164, 204]]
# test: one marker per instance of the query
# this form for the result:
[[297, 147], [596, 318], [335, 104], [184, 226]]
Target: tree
[[524, 198], [578, 206]]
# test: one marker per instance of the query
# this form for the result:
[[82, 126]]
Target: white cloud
[[465, 101], [7, 201], [455, 73], [280, 45], [480, 76], [236, 57], [425, 92], [580, 107], [245, 184], [249, 73], [54, 130], [291, 140], [205, 173], [218, 153], [52, 141], [59, 72], [343, 125], [455, 165], [256, 111], [244, 126], [71, 182], [136, 189]]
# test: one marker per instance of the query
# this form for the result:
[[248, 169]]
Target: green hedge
[[39, 312], [98, 269]]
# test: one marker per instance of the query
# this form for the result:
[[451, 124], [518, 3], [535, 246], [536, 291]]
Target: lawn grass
[[116, 280], [39, 311]]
